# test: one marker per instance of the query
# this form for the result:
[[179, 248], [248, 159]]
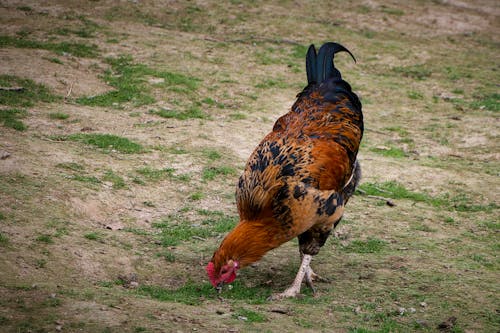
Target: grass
[[108, 142], [394, 152], [212, 155], [73, 166], [490, 102], [130, 82], [45, 238], [167, 255], [117, 181], [28, 94], [218, 221], [174, 232], [435, 112], [176, 228], [249, 316], [3, 239], [371, 245], [62, 48], [93, 236], [273, 83], [210, 173], [193, 112], [85, 179], [87, 28], [58, 115], [419, 72], [461, 202], [10, 118], [152, 174], [195, 294]]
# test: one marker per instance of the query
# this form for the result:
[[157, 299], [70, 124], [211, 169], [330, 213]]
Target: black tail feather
[[321, 67], [311, 64]]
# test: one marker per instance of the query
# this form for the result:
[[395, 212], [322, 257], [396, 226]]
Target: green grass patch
[[45, 238], [108, 142], [398, 129], [249, 316], [87, 29], [71, 166], [10, 118], [218, 221], [130, 82], [193, 112], [212, 155], [196, 196], [25, 92], [173, 231], [167, 255], [210, 173], [75, 49], [371, 245], [395, 190], [394, 152], [273, 83], [461, 202], [40, 263], [413, 94], [55, 60], [489, 102], [3, 239], [93, 236], [155, 174], [419, 72], [85, 179], [392, 11], [299, 51], [117, 181], [237, 116], [195, 294], [58, 115]]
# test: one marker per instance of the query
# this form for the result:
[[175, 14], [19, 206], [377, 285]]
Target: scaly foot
[[311, 276], [294, 289]]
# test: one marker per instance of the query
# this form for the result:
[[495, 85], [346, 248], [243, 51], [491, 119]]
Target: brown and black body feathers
[[298, 179]]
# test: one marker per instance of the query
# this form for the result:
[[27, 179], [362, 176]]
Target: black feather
[[325, 67], [311, 65]]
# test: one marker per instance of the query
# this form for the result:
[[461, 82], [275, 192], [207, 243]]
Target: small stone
[[114, 225], [156, 80], [401, 311], [423, 304], [59, 328], [412, 310], [4, 154], [134, 284], [242, 318], [357, 310], [422, 322]]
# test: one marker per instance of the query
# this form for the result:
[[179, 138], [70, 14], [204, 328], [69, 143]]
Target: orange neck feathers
[[247, 243]]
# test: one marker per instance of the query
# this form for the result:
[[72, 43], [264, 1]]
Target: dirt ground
[[94, 239]]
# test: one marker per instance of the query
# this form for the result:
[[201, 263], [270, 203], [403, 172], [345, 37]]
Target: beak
[[219, 287]]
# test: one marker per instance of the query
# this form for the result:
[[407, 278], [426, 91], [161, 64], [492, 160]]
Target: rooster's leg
[[294, 289]]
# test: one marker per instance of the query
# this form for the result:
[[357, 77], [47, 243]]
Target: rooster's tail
[[320, 66]]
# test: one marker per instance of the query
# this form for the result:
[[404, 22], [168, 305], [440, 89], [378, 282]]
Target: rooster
[[298, 180]]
